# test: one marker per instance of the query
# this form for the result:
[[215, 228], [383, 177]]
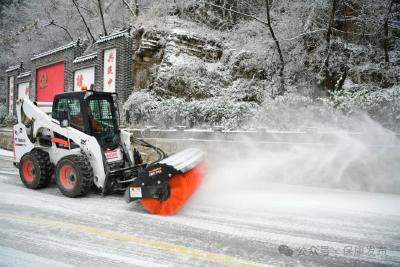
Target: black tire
[[40, 169], [80, 176]]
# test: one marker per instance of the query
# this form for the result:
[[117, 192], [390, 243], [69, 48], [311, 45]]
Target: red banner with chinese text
[[49, 82]]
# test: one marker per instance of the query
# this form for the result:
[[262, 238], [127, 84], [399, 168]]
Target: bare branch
[[304, 34], [52, 23], [84, 21], [88, 10], [106, 9], [271, 30], [129, 7], [355, 33], [238, 12]]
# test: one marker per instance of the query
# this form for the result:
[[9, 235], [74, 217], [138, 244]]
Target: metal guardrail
[[262, 135]]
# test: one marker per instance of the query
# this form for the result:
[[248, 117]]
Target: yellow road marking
[[154, 244]]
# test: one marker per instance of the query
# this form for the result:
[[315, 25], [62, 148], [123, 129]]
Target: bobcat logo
[[43, 80]]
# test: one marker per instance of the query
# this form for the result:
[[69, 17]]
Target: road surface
[[278, 226]]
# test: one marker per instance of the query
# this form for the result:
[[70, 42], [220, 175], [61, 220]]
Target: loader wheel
[[74, 175], [35, 169]]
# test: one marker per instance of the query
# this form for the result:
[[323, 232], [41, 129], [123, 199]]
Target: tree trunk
[[278, 47], [386, 32], [102, 17], [325, 77], [329, 32], [136, 2]]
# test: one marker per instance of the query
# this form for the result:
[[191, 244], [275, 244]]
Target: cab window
[[73, 108], [100, 115]]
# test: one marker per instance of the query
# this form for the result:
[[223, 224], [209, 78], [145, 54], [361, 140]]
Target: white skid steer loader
[[81, 145]]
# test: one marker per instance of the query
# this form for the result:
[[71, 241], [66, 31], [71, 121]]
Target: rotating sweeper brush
[[82, 146], [165, 185]]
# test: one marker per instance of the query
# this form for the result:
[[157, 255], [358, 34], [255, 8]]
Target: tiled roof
[[12, 68], [55, 50], [24, 74], [85, 58], [113, 36]]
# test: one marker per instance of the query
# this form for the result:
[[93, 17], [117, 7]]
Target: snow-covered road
[[280, 225]]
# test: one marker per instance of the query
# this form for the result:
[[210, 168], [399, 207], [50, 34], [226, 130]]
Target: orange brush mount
[[165, 186]]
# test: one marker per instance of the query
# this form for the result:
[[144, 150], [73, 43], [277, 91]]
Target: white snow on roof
[[53, 51], [24, 74], [12, 68], [85, 57], [113, 36]]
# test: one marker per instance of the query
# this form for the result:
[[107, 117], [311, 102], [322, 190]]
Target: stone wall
[[155, 47], [148, 55]]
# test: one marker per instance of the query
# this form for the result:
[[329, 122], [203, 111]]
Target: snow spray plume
[[326, 149]]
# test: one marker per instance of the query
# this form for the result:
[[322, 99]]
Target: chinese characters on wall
[[11, 95], [84, 78], [23, 90], [110, 58]]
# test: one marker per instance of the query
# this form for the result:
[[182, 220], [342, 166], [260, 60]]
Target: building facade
[[105, 66]]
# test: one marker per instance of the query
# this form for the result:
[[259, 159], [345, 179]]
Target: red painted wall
[[49, 82]]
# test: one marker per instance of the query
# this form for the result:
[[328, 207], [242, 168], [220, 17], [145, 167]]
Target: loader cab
[[94, 113]]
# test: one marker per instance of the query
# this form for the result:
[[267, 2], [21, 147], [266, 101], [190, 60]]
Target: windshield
[[102, 121]]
